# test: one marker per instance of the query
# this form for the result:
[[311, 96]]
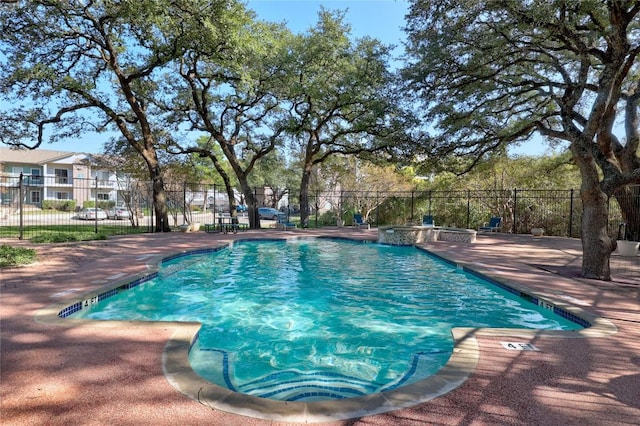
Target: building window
[[35, 196], [101, 177], [62, 175], [36, 179], [62, 196], [103, 196]]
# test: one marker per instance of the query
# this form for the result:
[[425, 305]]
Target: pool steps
[[295, 385]]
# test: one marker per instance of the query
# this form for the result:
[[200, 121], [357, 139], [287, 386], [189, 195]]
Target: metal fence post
[[214, 205], [256, 214], [468, 207], [152, 208], [571, 213], [95, 196], [412, 212], [317, 206], [515, 210], [21, 206], [184, 201]]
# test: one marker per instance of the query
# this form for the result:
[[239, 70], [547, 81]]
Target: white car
[[92, 213], [118, 213]]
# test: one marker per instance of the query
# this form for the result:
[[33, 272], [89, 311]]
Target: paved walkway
[[97, 375]]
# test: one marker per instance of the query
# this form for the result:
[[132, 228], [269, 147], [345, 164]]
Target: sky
[[380, 19]]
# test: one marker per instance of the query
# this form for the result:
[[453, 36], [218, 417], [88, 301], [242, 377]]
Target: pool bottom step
[[309, 386], [288, 385]]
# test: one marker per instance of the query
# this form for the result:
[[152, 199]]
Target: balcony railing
[[105, 184]]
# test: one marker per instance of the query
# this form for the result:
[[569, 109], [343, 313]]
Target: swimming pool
[[316, 319]]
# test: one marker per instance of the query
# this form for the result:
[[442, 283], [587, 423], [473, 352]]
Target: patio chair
[[427, 220], [283, 223], [231, 227], [359, 221], [494, 225]]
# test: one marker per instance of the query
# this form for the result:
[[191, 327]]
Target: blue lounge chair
[[283, 223], [427, 220], [494, 225], [359, 221]]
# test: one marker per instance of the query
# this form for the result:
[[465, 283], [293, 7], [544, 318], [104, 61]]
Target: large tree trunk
[[254, 220], [597, 245], [304, 196], [157, 185], [159, 200], [226, 179], [250, 201]]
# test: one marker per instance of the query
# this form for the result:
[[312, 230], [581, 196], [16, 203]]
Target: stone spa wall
[[405, 235]]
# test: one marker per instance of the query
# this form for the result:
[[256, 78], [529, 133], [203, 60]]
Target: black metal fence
[[558, 212], [33, 204]]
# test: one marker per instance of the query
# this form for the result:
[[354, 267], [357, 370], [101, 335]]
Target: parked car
[[268, 213], [292, 209], [241, 208], [92, 213], [118, 213]]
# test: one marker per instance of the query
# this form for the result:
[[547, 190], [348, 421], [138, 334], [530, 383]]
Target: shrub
[[327, 218], [60, 205], [13, 256]]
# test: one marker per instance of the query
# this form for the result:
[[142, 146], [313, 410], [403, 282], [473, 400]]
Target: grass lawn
[[74, 232]]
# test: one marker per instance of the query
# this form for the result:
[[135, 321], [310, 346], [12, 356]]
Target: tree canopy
[[227, 87], [339, 93]]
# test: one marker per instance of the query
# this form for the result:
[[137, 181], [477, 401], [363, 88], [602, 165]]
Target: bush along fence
[[31, 205]]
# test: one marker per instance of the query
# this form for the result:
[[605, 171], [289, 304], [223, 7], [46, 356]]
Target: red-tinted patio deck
[[93, 374]]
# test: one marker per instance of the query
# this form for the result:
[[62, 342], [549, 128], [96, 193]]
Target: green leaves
[[492, 73], [16, 256]]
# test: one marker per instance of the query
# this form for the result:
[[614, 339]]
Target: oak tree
[[493, 73], [75, 66], [339, 95]]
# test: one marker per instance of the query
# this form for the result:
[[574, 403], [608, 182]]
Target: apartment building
[[55, 175]]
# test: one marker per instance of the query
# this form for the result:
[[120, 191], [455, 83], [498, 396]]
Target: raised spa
[[404, 235]]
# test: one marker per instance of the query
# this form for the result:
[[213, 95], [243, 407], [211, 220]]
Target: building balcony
[[106, 184]]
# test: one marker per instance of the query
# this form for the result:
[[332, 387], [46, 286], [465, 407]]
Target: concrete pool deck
[[97, 374]]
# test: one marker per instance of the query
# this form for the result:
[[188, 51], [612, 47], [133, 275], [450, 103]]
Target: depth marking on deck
[[519, 346]]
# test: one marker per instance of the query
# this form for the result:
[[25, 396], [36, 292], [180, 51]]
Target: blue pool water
[[314, 319]]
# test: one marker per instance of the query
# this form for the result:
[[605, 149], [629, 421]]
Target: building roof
[[33, 156]]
